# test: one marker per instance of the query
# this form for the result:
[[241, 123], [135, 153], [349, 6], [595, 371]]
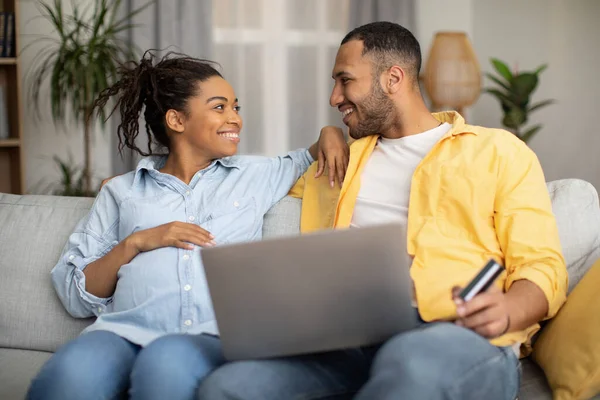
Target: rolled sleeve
[[527, 230], [547, 281], [85, 246], [286, 171]]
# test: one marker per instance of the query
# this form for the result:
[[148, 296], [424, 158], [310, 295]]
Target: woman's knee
[[89, 361], [96, 353], [177, 354]]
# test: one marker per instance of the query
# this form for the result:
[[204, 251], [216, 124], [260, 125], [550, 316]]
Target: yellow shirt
[[479, 194]]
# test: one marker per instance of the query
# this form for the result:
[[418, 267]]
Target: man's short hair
[[389, 44]]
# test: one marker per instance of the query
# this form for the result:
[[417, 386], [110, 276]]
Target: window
[[278, 56]]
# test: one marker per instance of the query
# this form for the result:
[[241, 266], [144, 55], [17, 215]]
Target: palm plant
[[514, 93], [81, 62]]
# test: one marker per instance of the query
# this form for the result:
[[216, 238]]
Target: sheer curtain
[[278, 56], [399, 11], [166, 25]]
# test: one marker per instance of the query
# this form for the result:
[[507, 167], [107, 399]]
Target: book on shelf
[[7, 34]]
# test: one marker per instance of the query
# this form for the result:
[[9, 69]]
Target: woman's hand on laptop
[[487, 313], [333, 152], [174, 234]]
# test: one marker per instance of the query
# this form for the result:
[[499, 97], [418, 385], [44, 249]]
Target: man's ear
[[174, 121], [394, 78]]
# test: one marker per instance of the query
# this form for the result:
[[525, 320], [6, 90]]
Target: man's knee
[[425, 353], [444, 358], [239, 380], [224, 383]]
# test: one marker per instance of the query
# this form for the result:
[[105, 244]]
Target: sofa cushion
[[283, 219], [533, 382], [575, 205], [33, 231], [18, 368]]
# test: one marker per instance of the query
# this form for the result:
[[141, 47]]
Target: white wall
[[442, 15], [41, 139], [564, 34]]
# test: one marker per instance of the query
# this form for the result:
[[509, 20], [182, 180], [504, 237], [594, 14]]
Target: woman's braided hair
[[155, 89]]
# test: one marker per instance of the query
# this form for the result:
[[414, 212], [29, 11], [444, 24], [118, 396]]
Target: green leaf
[[497, 81], [503, 97], [540, 69], [528, 134], [502, 69], [540, 105], [522, 86], [514, 118]]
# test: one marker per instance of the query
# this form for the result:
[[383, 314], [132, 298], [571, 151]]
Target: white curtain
[[399, 11], [278, 55], [183, 26]]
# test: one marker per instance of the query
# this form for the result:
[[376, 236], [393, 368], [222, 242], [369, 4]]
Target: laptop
[[312, 293]]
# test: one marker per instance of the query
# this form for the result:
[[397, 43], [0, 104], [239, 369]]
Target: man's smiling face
[[365, 108]]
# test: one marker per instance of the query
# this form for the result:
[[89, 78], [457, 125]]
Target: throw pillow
[[568, 349]]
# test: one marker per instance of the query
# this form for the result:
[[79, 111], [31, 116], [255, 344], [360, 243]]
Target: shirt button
[[186, 257], [71, 257], [187, 288], [188, 322], [187, 192], [236, 204], [99, 309], [191, 218]]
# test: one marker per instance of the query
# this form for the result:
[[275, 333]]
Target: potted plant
[[514, 92], [81, 61]]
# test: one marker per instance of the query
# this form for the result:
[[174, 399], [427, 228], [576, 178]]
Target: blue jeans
[[435, 361], [103, 365]]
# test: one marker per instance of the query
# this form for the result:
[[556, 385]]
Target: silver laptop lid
[[311, 293]]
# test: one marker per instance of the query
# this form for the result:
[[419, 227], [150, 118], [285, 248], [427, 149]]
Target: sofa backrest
[[575, 205], [34, 229]]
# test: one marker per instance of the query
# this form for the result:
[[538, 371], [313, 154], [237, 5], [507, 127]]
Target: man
[[474, 193]]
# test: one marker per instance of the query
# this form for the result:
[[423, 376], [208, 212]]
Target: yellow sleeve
[[526, 226], [297, 190]]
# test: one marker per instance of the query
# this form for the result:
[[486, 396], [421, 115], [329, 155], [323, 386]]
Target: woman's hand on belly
[[173, 234]]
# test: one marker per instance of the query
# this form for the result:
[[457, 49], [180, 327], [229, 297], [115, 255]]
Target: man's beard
[[376, 113]]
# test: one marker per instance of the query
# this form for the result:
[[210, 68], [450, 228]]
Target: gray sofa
[[33, 230]]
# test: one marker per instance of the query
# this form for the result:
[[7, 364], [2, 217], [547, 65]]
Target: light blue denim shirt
[[164, 290]]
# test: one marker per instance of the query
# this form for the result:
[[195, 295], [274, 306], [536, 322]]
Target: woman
[[134, 261]]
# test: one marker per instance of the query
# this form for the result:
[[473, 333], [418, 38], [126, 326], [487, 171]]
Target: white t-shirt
[[385, 181]]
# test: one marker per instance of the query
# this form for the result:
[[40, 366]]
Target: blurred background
[[278, 55]]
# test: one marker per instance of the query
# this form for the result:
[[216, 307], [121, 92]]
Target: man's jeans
[[435, 361], [102, 365]]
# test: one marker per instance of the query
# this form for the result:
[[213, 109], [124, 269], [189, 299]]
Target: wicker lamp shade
[[452, 77]]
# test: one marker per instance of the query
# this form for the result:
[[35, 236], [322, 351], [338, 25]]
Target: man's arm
[[495, 313], [536, 283], [527, 305]]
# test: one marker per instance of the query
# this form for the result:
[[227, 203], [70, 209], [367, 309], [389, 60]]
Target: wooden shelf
[[11, 152], [8, 61], [10, 143]]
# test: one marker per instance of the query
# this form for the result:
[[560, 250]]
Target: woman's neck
[[184, 166]]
